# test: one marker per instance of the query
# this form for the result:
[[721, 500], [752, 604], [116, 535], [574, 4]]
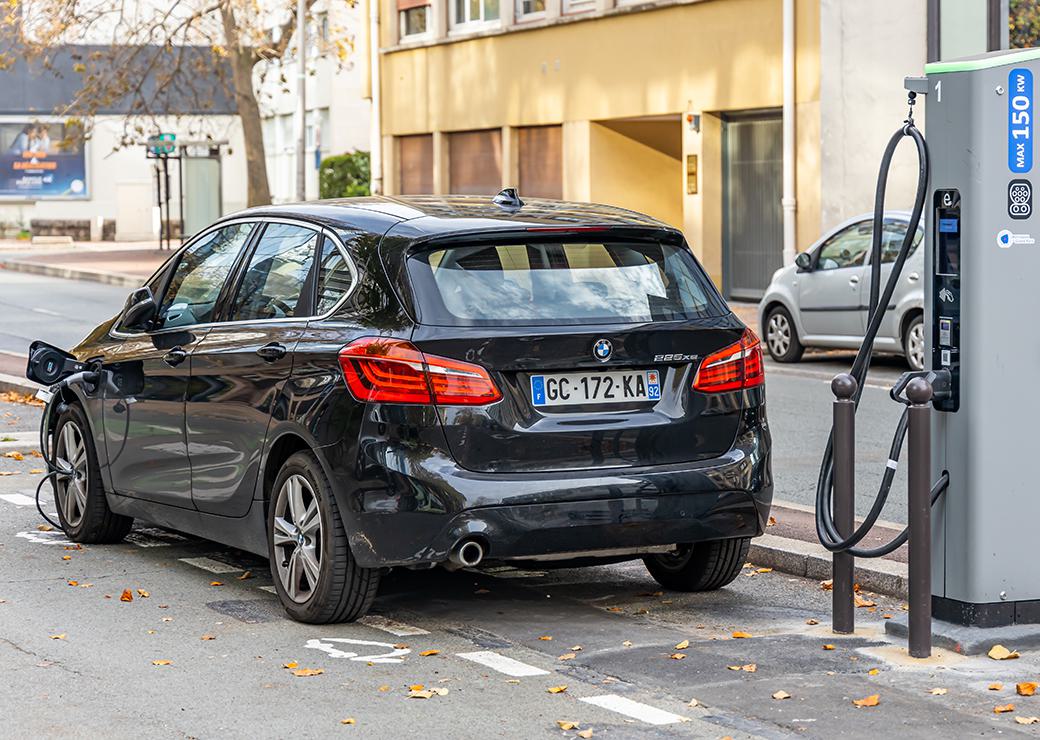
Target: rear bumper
[[424, 504]]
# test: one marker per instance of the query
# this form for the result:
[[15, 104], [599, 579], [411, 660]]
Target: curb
[[810, 560], [16, 384], [70, 273]]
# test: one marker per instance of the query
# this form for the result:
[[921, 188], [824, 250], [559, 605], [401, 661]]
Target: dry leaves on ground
[[677, 656], [828, 647], [545, 637], [564, 724], [1003, 708], [812, 622], [14, 455], [142, 593], [215, 583], [127, 595], [859, 601], [304, 672], [428, 653], [585, 733], [781, 695], [740, 635], [868, 701], [348, 721], [26, 399], [1026, 720], [557, 689], [873, 672], [938, 692], [999, 652], [246, 576], [996, 686], [58, 637], [1026, 688], [208, 637], [568, 656], [162, 662], [683, 645], [827, 585]]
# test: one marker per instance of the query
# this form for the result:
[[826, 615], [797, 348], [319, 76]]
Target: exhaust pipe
[[466, 554]]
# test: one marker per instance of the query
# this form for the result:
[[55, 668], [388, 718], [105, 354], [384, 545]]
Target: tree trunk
[[258, 192]]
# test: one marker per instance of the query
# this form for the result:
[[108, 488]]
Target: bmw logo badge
[[602, 350]]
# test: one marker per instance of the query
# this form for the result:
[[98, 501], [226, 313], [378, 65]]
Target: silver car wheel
[[778, 334], [297, 538], [915, 346], [70, 451]]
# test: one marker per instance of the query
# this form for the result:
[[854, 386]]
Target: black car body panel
[[195, 445]]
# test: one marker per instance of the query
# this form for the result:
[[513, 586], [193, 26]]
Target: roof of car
[[441, 214]]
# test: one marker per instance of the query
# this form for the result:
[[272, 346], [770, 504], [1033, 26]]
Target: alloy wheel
[[915, 346], [778, 334], [297, 538], [71, 454]]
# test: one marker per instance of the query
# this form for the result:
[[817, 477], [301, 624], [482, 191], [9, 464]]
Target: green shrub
[[344, 175]]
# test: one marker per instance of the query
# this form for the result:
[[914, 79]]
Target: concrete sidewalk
[[102, 262]]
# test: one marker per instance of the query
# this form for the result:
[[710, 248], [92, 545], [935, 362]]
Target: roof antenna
[[508, 200]]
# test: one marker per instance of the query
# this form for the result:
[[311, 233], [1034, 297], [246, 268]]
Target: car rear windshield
[[561, 282]]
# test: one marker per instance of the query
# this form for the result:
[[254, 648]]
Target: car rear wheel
[[781, 337], [913, 343], [315, 574], [80, 497], [704, 566]]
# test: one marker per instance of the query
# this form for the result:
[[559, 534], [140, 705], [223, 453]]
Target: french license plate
[[615, 386]]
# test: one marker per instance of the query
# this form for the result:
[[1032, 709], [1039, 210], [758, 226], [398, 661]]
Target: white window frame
[[571, 7], [522, 17], [471, 24], [402, 36]]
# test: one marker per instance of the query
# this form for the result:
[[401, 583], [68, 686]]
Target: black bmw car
[[350, 386]]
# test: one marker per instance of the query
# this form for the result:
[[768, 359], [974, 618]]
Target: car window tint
[[894, 233], [848, 248], [199, 276], [277, 272], [334, 277]]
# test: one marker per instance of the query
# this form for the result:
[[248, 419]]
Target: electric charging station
[[982, 302]]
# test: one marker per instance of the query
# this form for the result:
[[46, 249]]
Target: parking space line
[[18, 499], [268, 589], [502, 664], [211, 565], [634, 709], [400, 629]]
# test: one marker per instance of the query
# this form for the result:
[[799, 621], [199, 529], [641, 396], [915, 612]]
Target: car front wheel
[[913, 343], [704, 566], [781, 337], [315, 574]]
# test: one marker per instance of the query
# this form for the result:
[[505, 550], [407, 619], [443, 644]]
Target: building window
[[580, 6], [414, 17], [474, 12], [528, 9]]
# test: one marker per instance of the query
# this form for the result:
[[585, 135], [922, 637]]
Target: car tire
[[704, 566], [781, 338], [315, 574], [913, 343], [83, 511]]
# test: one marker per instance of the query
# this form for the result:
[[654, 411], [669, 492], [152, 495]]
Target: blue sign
[[41, 160], [1020, 120], [538, 390], [947, 225]]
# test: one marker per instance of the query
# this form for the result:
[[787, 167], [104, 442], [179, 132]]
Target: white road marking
[[18, 499], [502, 664], [268, 589], [45, 311], [211, 565], [46, 538], [634, 709], [400, 629], [392, 654]]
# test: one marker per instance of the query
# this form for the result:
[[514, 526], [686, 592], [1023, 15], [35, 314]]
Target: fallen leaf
[[142, 593], [5, 473], [996, 686], [811, 621], [14, 455], [693, 703], [246, 576], [828, 647], [294, 664], [733, 667], [627, 643], [861, 602], [207, 637], [545, 637], [416, 687], [66, 557], [44, 528], [873, 672], [771, 522], [568, 656], [614, 609], [348, 721], [428, 653], [781, 695], [127, 595], [938, 692], [999, 652], [482, 591], [304, 672], [215, 583], [1026, 688], [566, 725], [420, 694], [58, 637], [869, 701], [677, 656], [440, 690], [384, 688], [683, 645], [162, 662], [513, 680], [584, 733], [1026, 720], [557, 689], [150, 632], [167, 619], [886, 616], [749, 668], [827, 585], [763, 570], [400, 646], [1003, 708], [740, 635], [576, 648]]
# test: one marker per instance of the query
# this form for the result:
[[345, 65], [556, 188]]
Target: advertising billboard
[[39, 162]]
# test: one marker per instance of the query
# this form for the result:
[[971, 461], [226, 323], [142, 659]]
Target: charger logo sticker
[[1007, 239], [1020, 199], [1020, 120]]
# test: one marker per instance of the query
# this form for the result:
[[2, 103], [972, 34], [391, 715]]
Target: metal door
[[752, 174], [202, 204]]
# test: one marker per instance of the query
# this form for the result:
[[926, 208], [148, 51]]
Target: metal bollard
[[844, 386], [919, 622]]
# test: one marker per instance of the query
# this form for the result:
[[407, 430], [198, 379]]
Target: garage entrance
[[752, 219]]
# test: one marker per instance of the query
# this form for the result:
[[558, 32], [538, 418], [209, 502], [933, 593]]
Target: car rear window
[[560, 282]]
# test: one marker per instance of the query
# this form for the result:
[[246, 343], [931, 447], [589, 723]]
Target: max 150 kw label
[[1020, 120]]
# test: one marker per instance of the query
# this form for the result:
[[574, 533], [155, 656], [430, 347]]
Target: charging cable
[[826, 530]]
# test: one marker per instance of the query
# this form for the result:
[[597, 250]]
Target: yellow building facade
[[670, 108]]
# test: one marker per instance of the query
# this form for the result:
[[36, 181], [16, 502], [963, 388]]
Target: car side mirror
[[140, 310], [803, 261]]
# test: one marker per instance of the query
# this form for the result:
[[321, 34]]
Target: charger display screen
[[948, 243]]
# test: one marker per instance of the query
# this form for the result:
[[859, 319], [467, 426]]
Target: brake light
[[732, 368], [395, 371]]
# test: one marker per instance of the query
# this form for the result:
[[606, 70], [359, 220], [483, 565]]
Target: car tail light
[[395, 371], [732, 368]]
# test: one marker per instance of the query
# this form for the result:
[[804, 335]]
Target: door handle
[[854, 280], [175, 356], [913, 277], [273, 351]]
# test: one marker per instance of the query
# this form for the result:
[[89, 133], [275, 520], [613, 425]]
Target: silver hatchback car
[[822, 299]]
